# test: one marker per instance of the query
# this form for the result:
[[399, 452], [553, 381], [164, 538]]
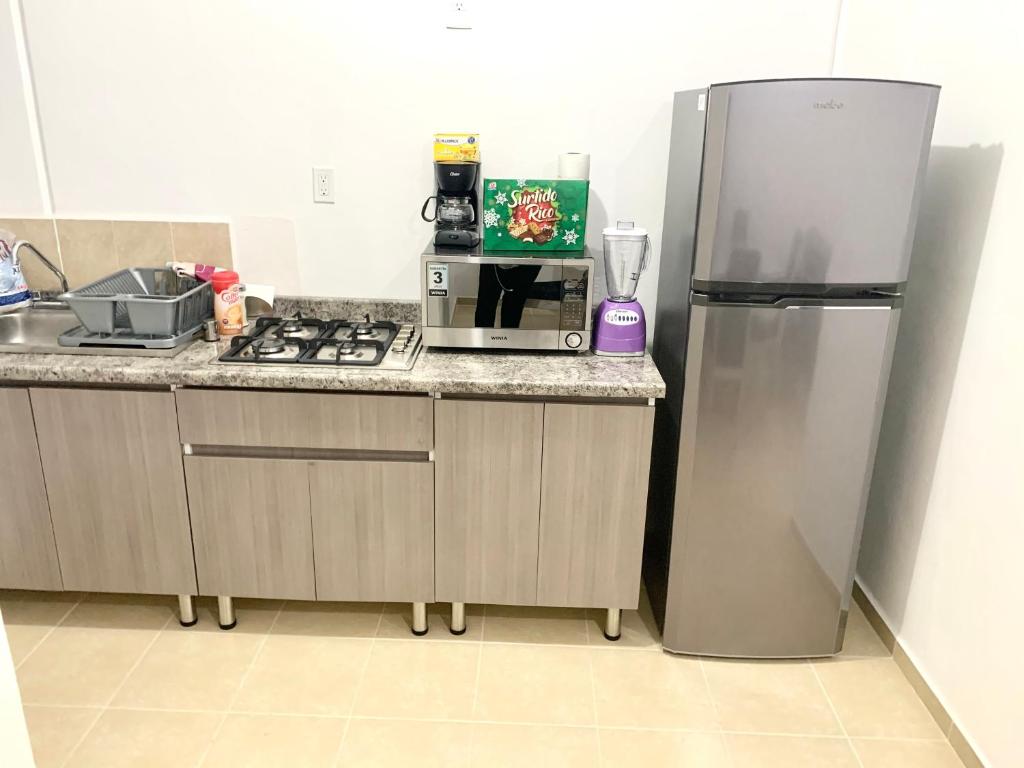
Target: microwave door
[[488, 295]]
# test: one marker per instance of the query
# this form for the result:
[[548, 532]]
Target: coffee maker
[[456, 204]]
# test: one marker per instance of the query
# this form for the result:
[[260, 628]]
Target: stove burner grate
[[299, 340], [344, 352]]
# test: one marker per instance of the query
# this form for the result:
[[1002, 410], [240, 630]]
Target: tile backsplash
[[90, 249]]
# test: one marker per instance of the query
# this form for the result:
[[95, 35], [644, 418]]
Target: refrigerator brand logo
[[830, 104]]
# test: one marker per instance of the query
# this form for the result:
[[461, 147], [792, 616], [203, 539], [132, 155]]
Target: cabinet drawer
[[306, 420]]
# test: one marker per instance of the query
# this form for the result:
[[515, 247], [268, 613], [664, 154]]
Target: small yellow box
[[461, 147]]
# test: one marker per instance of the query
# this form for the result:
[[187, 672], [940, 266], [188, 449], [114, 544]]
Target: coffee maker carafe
[[456, 205]]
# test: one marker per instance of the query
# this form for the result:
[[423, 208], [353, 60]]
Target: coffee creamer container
[[228, 303]]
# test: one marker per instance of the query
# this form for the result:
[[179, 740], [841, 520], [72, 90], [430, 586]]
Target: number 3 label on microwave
[[437, 280]]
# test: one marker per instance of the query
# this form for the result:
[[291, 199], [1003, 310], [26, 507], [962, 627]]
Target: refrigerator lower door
[[781, 410]]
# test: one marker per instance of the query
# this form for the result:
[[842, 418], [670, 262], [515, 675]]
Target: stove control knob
[[400, 350], [573, 340]]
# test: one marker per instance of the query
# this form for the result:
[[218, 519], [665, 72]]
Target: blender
[[620, 328]]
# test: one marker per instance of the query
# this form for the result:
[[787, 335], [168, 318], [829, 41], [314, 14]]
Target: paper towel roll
[[574, 165]]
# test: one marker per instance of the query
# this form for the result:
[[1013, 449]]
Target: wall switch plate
[[458, 16], [323, 185]]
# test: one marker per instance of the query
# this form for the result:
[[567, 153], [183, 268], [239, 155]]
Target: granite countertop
[[551, 374], [485, 373]]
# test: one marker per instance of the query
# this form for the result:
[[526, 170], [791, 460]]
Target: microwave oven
[[486, 301]]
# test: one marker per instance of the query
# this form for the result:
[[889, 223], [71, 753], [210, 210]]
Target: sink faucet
[[46, 262]]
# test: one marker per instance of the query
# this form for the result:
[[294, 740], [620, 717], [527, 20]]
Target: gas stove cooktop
[[300, 340]]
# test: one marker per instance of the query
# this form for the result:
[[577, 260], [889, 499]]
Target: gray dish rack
[[143, 302]]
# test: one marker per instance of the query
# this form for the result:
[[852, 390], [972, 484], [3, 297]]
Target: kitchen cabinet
[[28, 554], [488, 476], [324, 496], [112, 464], [593, 504], [373, 530], [251, 526], [541, 503]]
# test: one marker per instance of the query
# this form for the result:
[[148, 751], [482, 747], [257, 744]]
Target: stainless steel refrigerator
[[789, 219]]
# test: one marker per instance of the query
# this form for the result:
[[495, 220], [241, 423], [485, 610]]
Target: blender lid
[[624, 229]]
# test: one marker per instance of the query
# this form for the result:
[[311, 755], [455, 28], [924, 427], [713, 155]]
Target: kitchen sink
[[35, 329]]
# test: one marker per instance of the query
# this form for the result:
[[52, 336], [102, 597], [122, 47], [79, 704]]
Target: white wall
[[942, 546], [15, 749], [20, 193], [208, 109]]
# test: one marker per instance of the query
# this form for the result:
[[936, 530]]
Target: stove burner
[[348, 348], [291, 325], [269, 345], [363, 329]]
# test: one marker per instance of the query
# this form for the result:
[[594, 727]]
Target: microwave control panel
[[574, 298]]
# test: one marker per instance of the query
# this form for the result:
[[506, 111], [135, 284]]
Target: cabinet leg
[[419, 619], [458, 618], [613, 624], [226, 612], [186, 611]]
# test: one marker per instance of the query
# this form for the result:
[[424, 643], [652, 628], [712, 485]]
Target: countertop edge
[[444, 373]]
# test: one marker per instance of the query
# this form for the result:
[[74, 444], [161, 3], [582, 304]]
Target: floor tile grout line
[[466, 721], [531, 643], [835, 713], [359, 685], [110, 700], [593, 686], [241, 683], [593, 701], [138, 661], [99, 713], [49, 631], [711, 696], [718, 715], [479, 666]]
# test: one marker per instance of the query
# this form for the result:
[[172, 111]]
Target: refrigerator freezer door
[[779, 427], [812, 181]]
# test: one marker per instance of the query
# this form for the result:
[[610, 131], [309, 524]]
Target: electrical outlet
[[323, 185], [459, 16]]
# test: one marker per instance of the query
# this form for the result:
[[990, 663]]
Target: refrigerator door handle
[[867, 302]]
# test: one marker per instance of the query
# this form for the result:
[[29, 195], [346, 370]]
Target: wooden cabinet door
[[593, 504], [112, 463], [251, 527], [373, 530], [487, 471], [28, 555]]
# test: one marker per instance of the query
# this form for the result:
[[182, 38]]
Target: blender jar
[[626, 255]]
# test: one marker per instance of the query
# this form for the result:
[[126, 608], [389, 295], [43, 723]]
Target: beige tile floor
[[115, 681]]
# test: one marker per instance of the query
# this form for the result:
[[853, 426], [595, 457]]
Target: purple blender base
[[620, 329]]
